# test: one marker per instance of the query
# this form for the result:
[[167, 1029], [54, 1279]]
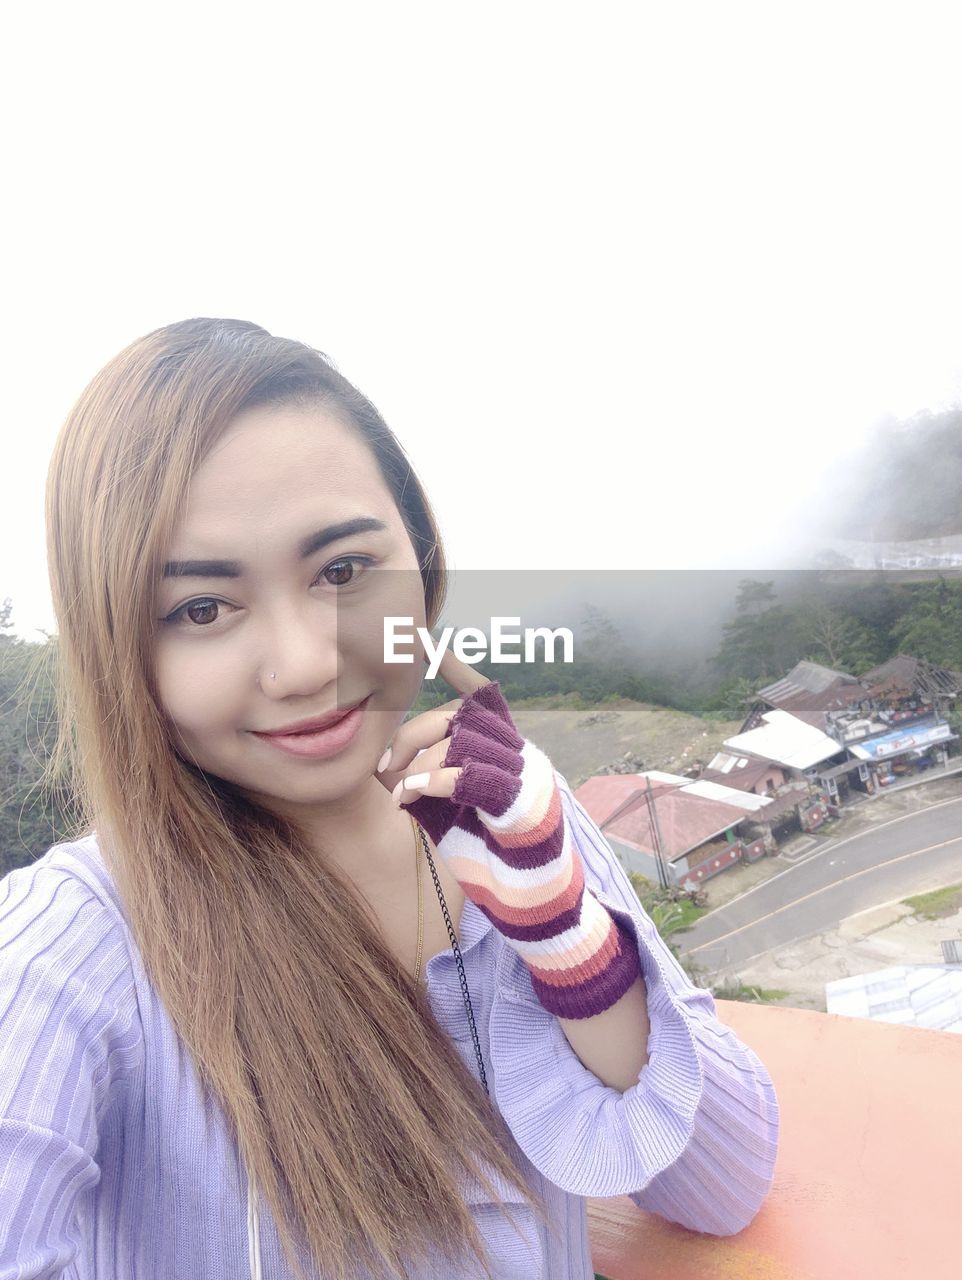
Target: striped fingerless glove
[[504, 836]]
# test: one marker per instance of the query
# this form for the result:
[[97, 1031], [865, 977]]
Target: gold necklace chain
[[417, 860]]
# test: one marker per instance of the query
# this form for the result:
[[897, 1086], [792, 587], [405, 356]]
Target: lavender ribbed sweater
[[115, 1164]]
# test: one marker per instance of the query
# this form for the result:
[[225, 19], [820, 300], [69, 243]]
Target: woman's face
[[311, 615]]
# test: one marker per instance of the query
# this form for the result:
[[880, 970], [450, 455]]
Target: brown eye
[[202, 612], [344, 570]]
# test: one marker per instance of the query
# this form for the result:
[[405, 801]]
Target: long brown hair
[[346, 1110]]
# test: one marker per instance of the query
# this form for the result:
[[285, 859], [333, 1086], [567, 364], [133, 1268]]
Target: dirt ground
[[875, 939], [581, 742]]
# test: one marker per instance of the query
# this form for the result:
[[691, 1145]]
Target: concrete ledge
[[869, 1162]]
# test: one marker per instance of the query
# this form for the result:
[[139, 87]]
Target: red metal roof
[[604, 794], [684, 820]]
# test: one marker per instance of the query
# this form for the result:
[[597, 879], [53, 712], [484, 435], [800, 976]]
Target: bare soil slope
[[580, 741]]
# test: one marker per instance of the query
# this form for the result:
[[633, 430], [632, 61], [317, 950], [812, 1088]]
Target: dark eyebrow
[[306, 547]]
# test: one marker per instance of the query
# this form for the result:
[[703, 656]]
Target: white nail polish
[[417, 780], [384, 761]]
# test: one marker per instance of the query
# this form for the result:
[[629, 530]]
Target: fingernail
[[384, 761], [416, 781], [396, 793]]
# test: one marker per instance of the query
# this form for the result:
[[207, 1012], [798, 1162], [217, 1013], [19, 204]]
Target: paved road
[[906, 855]]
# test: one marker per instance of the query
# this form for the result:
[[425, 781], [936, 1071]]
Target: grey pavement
[[889, 858]]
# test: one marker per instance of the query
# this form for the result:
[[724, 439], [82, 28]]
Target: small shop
[[846, 781], [902, 753]]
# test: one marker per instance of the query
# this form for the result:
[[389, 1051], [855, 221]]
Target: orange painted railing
[[868, 1180]]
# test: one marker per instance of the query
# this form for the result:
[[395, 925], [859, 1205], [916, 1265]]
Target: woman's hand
[[489, 800], [428, 734]]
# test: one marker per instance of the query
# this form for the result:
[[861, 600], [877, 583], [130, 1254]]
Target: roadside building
[[804, 754], [810, 692], [669, 829], [744, 773], [796, 745], [905, 732], [862, 716], [907, 688]]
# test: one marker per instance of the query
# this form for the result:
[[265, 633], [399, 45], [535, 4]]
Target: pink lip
[[319, 743]]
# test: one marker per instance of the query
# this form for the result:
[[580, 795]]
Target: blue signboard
[[897, 741]]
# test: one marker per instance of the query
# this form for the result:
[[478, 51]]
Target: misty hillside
[[906, 485]]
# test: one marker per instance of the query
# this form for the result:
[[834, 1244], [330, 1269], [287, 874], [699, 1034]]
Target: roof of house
[[605, 794], [686, 813], [786, 801], [809, 677], [904, 675], [787, 740], [916, 995], [711, 790], [809, 690], [734, 770]]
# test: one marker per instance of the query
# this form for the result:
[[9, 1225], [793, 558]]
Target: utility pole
[[653, 822]]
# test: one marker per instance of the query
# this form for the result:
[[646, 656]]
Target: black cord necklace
[[457, 955]]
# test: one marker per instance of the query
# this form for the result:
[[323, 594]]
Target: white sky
[[638, 266]]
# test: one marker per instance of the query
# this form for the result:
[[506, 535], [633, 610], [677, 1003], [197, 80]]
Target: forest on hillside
[[848, 621]]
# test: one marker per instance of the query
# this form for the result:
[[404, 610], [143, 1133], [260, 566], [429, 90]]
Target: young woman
[[291, 1003]]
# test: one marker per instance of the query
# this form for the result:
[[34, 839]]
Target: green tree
[[838, 640], [759, 645], [754, 596], [931, 627], [732, 700], [31, 818]]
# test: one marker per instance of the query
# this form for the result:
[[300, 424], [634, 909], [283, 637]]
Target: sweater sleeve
[[70, 1033], [695, 1139]]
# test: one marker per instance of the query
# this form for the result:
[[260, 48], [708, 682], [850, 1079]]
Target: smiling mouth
[[311, 726], [314, 743]]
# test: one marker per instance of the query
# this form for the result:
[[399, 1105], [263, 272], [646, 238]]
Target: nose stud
[[273, 677]]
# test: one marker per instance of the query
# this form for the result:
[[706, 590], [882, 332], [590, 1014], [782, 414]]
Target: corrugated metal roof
[[742, 772], [812, 707], [787, 740], [893, 678], [604, 794], [810, 690], [904, 675], [724, 762], [687, 812], [805, 677], [746, 800], [658, 775], [684, 822], [918, 995], [785, 802]]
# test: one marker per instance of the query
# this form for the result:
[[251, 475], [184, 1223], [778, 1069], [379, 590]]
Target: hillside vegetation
[[588, 714]]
